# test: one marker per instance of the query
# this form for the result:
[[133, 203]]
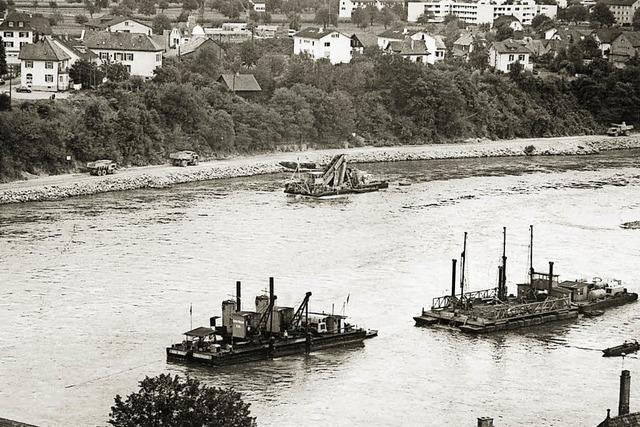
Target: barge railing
[[507, 311], [440, 303]]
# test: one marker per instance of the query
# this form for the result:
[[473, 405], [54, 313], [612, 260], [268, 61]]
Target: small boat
[[593, 313], [621, 350]]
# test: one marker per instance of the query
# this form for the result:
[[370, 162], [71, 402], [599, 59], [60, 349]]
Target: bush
[[81, 19], [529, 150]]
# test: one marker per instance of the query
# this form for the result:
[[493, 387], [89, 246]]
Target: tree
[[81, 19], [539, 22], [91, 7], [3, 7], [115, 71], [325, 17], [426, 17], [190, 4], [479, 56], [360, 17], [374, 13], [231, 9], [160, 23], [163, 5], [636, 20], [576, 13], [387, 17], [147, 7], [504, 32], [56, 18], [3, 59], [5, 102], [294, 21], [602, 15], [53, 4], [85, 73]]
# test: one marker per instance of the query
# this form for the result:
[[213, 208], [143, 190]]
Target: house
[[19, 29], [138, 52], [434, 43], [241, 84], [463, 45], [502, 55], [45, 64], [260, 7], [622, 10], [606, 37], [196, 45], [481, 12], [508, 21], [120, 24], [321, 43], [413, 50], [347, 7], [624, 47], [579, 290]]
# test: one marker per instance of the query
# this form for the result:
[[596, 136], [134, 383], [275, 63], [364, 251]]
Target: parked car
[[184, 158], [23, 89], [2, 81]]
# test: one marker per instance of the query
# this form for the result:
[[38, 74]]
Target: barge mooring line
[[112, 374]]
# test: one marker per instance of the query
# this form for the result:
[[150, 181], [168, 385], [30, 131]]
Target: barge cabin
[[268, 332]]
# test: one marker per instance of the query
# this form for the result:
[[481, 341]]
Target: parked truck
[[102, 167], [184, 158], [619, 129]]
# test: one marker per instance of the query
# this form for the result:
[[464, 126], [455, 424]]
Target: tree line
[[379, 98]]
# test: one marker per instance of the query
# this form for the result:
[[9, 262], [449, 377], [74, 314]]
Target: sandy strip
[[71, 185]]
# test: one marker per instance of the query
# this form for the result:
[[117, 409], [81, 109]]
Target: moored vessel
[[337, 178], [622, 349], [268, 332]]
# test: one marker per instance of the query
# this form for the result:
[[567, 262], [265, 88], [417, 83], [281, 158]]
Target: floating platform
[[618, 299], [480, 318]]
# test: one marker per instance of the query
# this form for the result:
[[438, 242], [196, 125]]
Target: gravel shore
[[71, 185]]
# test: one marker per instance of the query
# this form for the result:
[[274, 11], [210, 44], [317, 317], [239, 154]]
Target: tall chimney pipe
[[453, 278], [503, 294], [500, 282], [625, 387], [271, 304], [550, 278], [238, 295]]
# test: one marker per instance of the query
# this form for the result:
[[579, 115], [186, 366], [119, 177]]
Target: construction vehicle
[[335, 179], [102, 167], [184, 158], [619, 129]]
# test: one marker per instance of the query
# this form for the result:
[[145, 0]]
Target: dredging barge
[[492, 310], [543, 299], [268, 332], [337, 178]]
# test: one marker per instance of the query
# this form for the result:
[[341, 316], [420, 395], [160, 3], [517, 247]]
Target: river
[[94, 288]]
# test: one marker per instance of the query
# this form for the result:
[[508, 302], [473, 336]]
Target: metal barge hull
[[615, 301], [256, 353], [340, 191]]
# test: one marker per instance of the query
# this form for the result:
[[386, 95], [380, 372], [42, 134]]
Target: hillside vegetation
[[382, 99]]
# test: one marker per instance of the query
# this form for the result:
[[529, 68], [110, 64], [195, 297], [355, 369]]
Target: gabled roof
[[73, 45], [108, 21], [509, 46], [397, 33], [632, 36], [242, 82], [37, 24], [618, 2], [193, 45], [44, 50], [120, 41], [408, 47], [464, 40], [315, 33], [607, 35]]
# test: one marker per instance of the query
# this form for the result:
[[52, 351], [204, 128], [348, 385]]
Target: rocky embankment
[[71, 185]]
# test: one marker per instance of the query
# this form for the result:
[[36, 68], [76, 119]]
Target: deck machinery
[[493, 309], [268, 332]]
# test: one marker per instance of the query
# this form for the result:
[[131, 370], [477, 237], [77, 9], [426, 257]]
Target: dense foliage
[[381, 98], [171, 401]]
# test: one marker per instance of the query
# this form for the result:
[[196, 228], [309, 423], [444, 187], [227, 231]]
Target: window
[[128, 68], [48, 65], [117, 56], [8, 34], [128, 56], [327, 44], [104, 56], [8, 44], [520, 57], [511, 57], [335, 35], [11, 24], [126, 23], [23, 34], [48, 78], [61, 78], [20, 24], [508, 67], [158, 57], [28, 64]]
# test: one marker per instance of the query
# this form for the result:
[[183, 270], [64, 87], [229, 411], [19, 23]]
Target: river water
[[94, 288]]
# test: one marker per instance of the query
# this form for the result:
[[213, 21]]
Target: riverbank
[[72, 185]]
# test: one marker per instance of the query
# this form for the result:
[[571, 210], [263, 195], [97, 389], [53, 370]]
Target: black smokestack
[[238, 297]]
